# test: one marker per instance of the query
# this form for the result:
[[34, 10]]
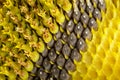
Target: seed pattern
[[52, 30]]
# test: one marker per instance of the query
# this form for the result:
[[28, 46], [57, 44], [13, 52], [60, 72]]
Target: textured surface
[[57, 39], [101, 61]]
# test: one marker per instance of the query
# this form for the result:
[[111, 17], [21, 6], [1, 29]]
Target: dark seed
[[52, 55], [64, 24], [87, 34], [66, 51], [75, 55], [60, 60], [36, 78], [76, 14], [58, 45], [64, 37], [77, 2], [90, 7], [42, 74], [84, 18], [97, 14], [101, 5], [45, 52], [70, 26], [39, 62], [55, 71], [51, 43], [64, 75], [72, 39], [51, 78], [95, 1], [82, 5], [93, 24], [34, 70], [58, 35], [46, 64], [78, 29], [69, 65], [81, 45], [69, 14], [30, 78]]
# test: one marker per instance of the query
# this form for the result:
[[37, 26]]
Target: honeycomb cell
[[92, 73], [113, 77], [87, 58], [110, 33], [92, 48], [101, 52], [87, 78], [107, 69], [97, 39], [105, 44], [111, 58], [117, 35], [78, 77], [114, 48], [102, 77], [117, 70], [97, 63], [82, 68]]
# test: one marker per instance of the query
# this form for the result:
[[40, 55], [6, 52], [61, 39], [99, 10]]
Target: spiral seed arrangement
[[59, 39]]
